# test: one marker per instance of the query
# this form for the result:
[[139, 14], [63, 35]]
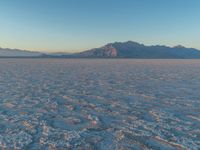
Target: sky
[[76, 25]]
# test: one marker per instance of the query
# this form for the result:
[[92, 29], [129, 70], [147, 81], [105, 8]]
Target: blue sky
[[75, 25]]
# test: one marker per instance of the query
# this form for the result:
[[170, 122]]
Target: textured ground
[[99, 104]]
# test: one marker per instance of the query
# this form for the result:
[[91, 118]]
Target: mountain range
[[127, 49]]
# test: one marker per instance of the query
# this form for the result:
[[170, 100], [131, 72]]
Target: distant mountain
[[132, 49], [128, 49], [59, 53], [6, 52]]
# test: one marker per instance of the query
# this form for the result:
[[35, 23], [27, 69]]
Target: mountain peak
[[125, 43], [179, 46]]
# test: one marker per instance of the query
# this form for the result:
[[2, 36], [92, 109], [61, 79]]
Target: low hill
[[6, 52]]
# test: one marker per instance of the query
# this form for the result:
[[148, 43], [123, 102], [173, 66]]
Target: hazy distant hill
[[135, 50], [128, 49], [6, 52]]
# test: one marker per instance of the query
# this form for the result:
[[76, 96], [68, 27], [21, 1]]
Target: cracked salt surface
[[99, 104]]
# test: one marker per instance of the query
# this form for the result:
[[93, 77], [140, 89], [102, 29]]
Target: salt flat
[[99, 104]]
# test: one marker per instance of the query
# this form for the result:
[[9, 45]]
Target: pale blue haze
[[74, 25]]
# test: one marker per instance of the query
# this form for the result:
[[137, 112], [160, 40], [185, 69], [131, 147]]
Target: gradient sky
[[74, 25]]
